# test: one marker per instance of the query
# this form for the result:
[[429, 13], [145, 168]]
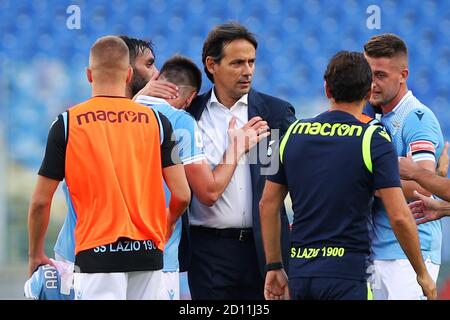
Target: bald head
[[109, 60]]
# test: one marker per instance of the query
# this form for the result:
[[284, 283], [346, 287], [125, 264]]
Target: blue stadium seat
[[296, 39]]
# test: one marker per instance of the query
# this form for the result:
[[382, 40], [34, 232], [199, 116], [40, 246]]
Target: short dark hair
[[348, 76], [182, 71], [385, 45], [220, 36], [137, 46]]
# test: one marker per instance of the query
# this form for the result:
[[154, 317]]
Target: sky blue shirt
[[65, 244], [414, 128], [190, 146]]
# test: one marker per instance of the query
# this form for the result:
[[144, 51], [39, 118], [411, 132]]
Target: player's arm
[[274, 193], [386, 181], [174, 176], [208, 185], [269, 208], [51, 172], [275, 287], [420, 133], [405, 230], [412, 171], [443, 162], [38, 219], [180, 194], [428, 209], [408, 186]]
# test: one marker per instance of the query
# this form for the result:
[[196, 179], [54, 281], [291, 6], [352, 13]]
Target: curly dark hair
[[137, 46]]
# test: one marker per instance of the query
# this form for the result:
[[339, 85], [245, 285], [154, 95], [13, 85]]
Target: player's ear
[[210, 64], [89, 75], [190, 98], [404, 75], [129, 74]]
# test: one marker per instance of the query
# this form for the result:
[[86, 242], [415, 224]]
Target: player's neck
[[394, 102], [108, 90], [129, 92], [354, 108]]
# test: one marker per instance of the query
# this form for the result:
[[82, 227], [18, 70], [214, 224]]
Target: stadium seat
[[296, 39]]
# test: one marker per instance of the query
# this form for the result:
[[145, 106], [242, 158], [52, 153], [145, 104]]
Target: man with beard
[[145, 73], [142, 60], [112, 153]]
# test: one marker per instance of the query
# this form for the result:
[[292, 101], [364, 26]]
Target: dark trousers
[[328, 289], [224, 266]]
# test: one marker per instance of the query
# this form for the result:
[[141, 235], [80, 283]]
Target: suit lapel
[[256, 107]]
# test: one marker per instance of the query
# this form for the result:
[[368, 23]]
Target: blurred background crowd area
[[44, 47]]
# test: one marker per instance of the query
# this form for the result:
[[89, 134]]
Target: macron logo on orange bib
[[114, 174], [112, 117]]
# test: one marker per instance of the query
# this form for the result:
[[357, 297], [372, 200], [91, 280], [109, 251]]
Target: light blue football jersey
[[65, 243], [414, 129], [190, 148], [48, 283]]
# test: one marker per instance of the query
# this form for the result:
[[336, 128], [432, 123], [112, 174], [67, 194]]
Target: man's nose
[[248, 69]]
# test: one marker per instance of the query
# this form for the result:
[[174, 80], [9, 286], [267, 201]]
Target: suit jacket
[[279, 114]]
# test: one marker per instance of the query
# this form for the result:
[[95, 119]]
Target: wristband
[[273, 266]]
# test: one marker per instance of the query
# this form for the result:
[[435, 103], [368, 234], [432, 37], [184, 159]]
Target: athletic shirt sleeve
[[190, 143], [169, 149], [419, 133], [385, 161], [53, 164]]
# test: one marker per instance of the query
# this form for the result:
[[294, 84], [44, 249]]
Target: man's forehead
[[386, 63], [239, 48], [145, 54]]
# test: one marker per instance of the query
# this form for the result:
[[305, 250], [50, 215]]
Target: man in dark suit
[[227, 259]]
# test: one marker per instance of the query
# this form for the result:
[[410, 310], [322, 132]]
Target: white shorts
[[170, 290], [396, 280], [136, 285]]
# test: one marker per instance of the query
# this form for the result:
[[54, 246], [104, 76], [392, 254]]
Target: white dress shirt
[[234, 208]]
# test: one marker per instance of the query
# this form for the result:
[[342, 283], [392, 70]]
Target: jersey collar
[[401, 102]]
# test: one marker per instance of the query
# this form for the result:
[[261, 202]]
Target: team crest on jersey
[[395, 124]]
